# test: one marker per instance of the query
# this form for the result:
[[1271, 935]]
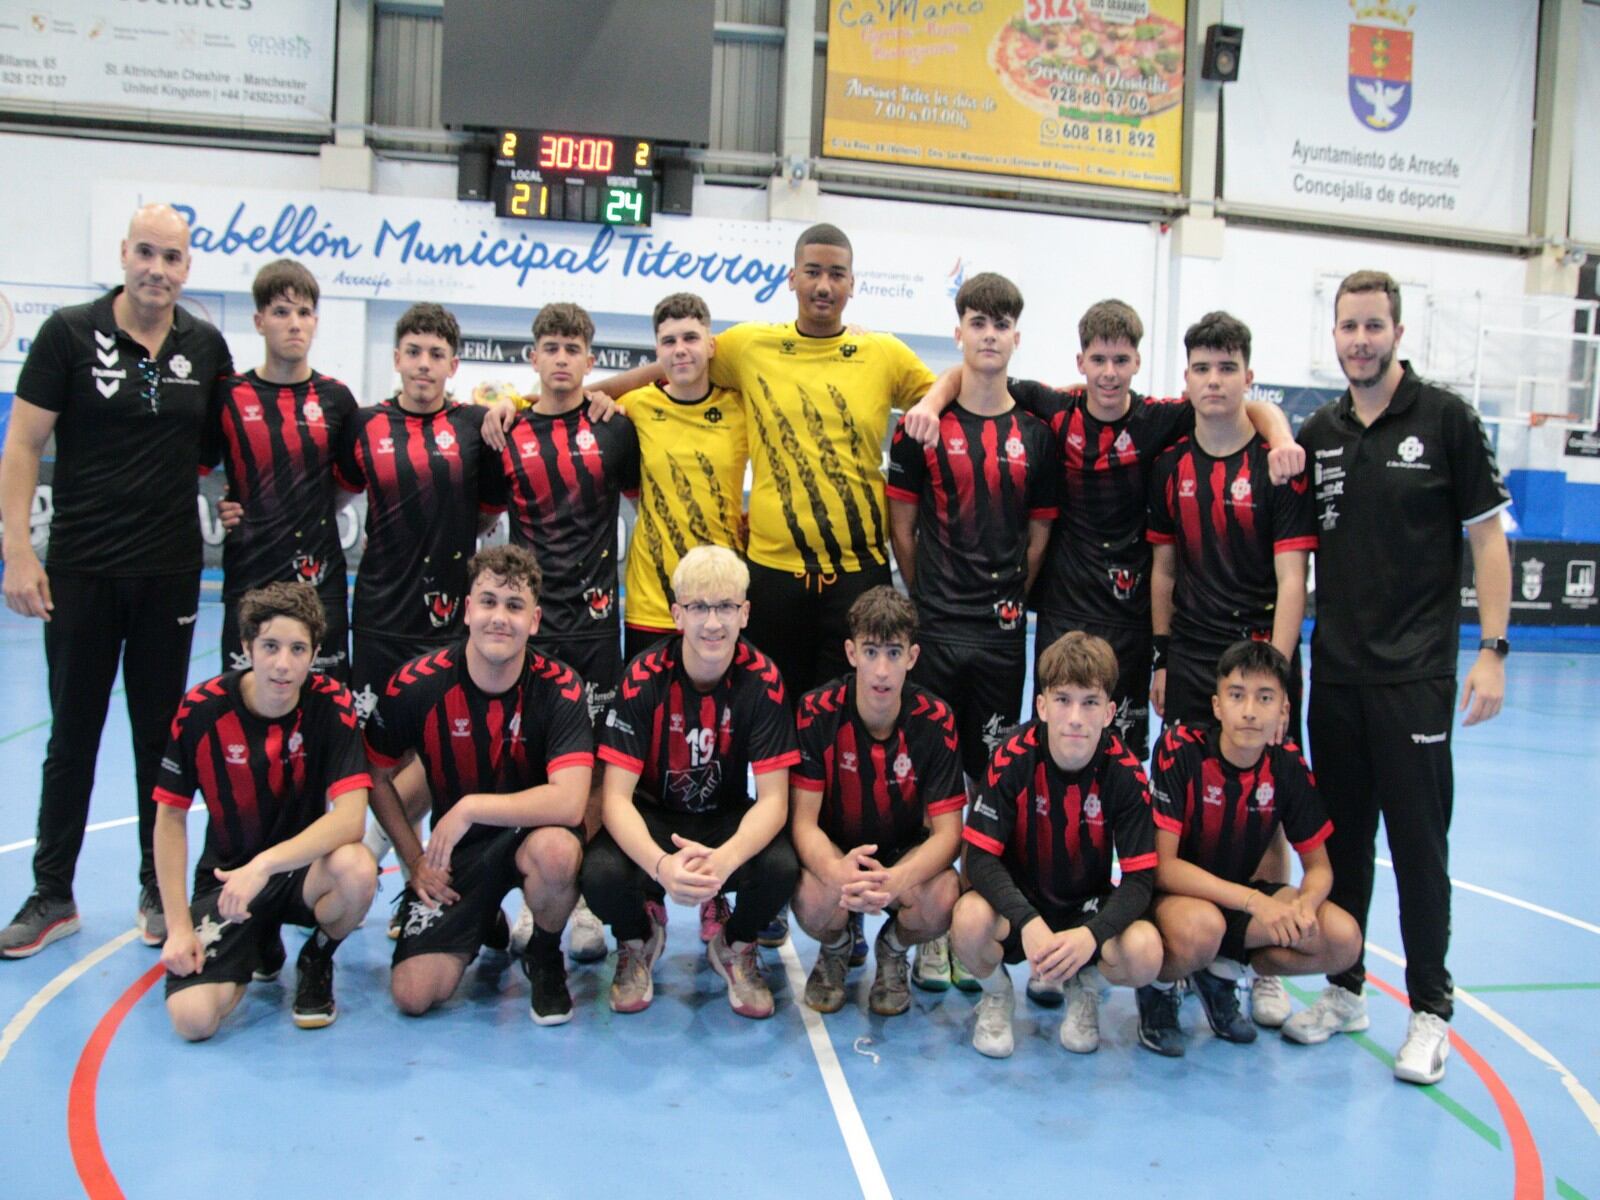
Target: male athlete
[[276, 754], [876, 805]]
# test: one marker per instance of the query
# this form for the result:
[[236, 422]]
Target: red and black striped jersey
[[879, 792], [426, 477], [1225, 815], [470, 741], [278, 443], [263, 779], [566, 476], [1055, 831], [975, 490], [1228, 520], [1097, 567], [691, 747]]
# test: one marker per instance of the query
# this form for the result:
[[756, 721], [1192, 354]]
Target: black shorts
[[233, 951], [374, 659], [982, 683], [1134, 651], [800, 621], [1059, 920], [1238, 921], [636, 641], [597, 660], [333, 657], [1192, 681]]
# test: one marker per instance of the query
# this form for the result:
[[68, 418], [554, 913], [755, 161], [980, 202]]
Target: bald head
[[155, 259]]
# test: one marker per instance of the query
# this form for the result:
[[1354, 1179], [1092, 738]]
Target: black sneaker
[[551, 1003], [858, 939], [38, 922], [1158, 1021], [270, 954], [313, 990], [1220, 997]]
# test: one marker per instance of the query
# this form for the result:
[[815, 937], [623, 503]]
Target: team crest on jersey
[[385, 445], [902, 765], [308, 568], [597, 603], [313, 412], [1009, 613], [1123, 444], [236, 754], [1411, 449], [1186, 488], [1075, 440], [297, 742], [445, 440], [847, 761], [179, 366], [1041, 805], [1264, 794], [461, 727], [957, 445], [441, 608], [1241, 490], [1213, 794], [585, 440], [250, 412], [1014, 448], [713, 415], [1091, 809], [1123, 582]]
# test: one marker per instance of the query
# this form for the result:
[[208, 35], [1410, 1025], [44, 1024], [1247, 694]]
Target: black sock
[[544, 942], [320, 945]]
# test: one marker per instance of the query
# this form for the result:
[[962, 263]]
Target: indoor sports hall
[[1184, 156]]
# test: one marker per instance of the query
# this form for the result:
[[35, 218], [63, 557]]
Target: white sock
[[997, 982], [1161, 985], [891, 936], [1227, 968]]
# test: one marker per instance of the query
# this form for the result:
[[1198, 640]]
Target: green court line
[[16, 733], [1536, 987], [1567, 1192], [1431, 1091]]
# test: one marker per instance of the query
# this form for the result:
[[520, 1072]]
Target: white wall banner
[[1583, 218], [266, 59], [1417, 112]]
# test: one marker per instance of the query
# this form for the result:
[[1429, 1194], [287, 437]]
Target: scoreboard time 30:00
[[551, 176]]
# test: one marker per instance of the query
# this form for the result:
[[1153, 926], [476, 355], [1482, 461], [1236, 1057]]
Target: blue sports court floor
[[98, 1097]]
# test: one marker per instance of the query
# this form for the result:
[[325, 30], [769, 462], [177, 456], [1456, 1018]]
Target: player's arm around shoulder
[[27, 587]]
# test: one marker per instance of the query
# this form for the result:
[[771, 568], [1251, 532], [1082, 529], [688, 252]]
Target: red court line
[[1529, 1183], [82, 1129]]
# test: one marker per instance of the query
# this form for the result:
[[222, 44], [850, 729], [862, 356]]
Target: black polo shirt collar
[[1405, 395], [103, 316]]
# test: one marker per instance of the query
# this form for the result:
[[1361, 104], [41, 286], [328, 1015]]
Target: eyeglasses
[[150, 372], [700, 610]]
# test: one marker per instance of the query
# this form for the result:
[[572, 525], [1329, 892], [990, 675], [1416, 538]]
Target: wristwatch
[[1499, 645]]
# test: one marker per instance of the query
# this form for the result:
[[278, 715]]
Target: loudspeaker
[[472, 174], [1221, 60], [677, 187]]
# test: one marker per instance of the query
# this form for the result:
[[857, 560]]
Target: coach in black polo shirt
[[124, 384], [1398, 467]]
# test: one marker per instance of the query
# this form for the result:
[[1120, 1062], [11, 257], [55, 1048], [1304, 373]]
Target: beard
[[1379, 370]]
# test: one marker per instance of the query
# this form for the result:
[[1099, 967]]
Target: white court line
[[1580, 1095], [25, 1015], [95, 828], [869, 1174], [1505, 899]]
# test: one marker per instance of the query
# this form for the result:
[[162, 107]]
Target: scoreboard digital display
[[541, 175]]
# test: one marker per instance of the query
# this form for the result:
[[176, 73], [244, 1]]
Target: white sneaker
[[931, 970], [991, 1034], [586, 937], [1422, 1054], [1269, 1001], [1080, 1028], [522, 931], [1337, 1010]]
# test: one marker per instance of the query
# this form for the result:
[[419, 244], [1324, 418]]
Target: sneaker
[[152, 921], [38, 922], [1047, 993], [550, 1002], [991, 1033], [1337, 1010], [270, 954], [776, 932], [1422, 1054], [891, 994], [931, 970], [1158, 1020], [1220, 998], [858, 939], [313, 990], [747, 990], [586, 937], [962, 979], [521, 932], [1080, 1027], [1269, 1001], [714, 914], [825, 984], [633, 985]]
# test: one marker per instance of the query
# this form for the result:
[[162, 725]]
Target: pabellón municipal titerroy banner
[[266, 59], [1083, 90], [1418, 112]]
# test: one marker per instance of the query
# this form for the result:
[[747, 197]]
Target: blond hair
[[708, 569]]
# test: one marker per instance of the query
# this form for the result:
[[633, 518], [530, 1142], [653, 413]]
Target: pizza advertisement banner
[[1089, 91], [1418, 111]]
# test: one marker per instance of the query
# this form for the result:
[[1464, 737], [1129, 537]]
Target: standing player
[[276, 753], [507, 747], [695, 714], [123, 383], [1401, 466], [1220, 794], [876, 800], [1060, 795], [1230, 545], [280, 427]]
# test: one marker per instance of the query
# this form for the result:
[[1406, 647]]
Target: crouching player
[[276, 753], [507, 749], [1060, 793], [876, 807], [1220, 795]]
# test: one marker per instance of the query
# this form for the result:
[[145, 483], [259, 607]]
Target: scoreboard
[[544, 175]]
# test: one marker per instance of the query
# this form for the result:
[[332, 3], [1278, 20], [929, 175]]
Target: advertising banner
[[1083, 90], [1552, 583], [267, 59], [1417, 112]]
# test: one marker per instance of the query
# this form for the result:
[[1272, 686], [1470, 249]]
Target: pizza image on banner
[[1091, 67], [1380, 76]]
